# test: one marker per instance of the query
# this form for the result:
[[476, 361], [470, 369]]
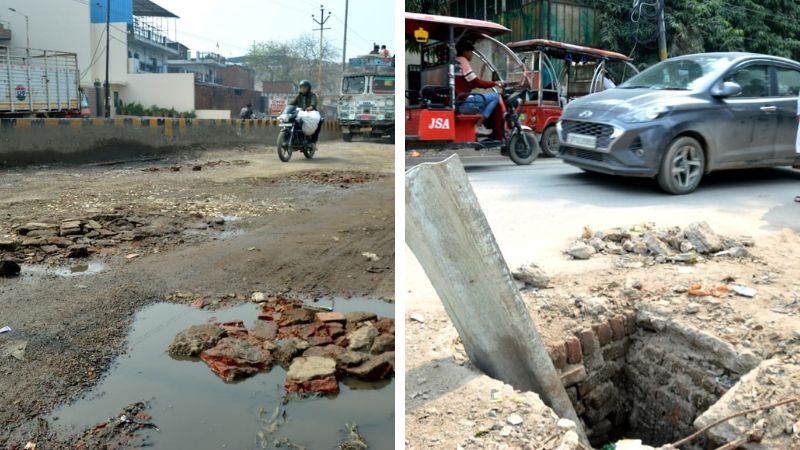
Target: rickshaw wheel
[[549, 142], [517, 151]]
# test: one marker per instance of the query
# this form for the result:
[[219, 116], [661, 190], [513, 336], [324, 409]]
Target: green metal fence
[[558, 20]]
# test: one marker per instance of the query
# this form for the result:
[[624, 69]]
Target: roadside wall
[[37, 141]]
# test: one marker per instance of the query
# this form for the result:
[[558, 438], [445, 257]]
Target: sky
[[235, 24]]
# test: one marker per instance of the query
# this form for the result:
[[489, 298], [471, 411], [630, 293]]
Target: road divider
[[33, 141]]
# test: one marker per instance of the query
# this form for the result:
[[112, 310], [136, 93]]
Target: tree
[[427, 6], [761, 26], [296, 60]]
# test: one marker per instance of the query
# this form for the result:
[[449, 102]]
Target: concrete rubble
[[316, 348], [664, 245]]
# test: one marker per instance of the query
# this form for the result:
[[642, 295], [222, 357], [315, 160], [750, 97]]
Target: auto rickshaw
[[560, 73], [436, 115]]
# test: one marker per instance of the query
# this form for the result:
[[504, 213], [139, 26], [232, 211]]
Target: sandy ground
[[299, 227]]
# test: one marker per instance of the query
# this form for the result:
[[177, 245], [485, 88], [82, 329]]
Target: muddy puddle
[[73, 270], [193, 408]]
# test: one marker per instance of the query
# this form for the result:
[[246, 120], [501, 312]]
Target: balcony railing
[[212, 56], [146, 32]]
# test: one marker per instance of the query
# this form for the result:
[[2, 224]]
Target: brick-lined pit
[[641, 376]]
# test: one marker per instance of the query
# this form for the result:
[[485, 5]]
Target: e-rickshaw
[[435, 114], [560, 73]]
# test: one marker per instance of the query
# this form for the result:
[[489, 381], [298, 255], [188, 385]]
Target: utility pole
[[321, 22], [344, 45], [108, 44], [662, 32]]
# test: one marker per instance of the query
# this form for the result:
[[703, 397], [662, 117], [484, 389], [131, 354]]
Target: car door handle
[[769, 109]]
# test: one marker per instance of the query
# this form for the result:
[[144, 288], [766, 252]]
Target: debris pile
[[340, 177], [316, 347], [675, 244], [81, 237]]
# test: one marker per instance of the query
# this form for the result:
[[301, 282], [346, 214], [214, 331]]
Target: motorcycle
[[521, 143], [292, 137]]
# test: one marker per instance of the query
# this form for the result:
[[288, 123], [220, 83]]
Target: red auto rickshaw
[[436, 115], [560, 73]]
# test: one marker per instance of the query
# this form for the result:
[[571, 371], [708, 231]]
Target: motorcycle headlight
[[647, 114], [283, 117]]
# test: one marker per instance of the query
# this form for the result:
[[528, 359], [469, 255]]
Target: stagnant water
[[193, 408]]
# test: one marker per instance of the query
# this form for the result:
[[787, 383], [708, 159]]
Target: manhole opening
[[635, 377]]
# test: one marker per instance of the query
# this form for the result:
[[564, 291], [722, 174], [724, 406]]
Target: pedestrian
[[246, 112], [375, 49], [385, 51]]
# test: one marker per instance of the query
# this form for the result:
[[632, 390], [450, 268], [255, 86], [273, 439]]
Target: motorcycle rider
[[306, 100]]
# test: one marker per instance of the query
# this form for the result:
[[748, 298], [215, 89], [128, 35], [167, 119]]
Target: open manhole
[[642, 376]]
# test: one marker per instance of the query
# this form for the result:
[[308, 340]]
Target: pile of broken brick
[[675, 244], [316, 347], [37, 242]]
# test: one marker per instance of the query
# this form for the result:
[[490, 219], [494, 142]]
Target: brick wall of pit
[[626, 380]]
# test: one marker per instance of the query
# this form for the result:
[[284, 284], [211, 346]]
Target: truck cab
[[366, 104]]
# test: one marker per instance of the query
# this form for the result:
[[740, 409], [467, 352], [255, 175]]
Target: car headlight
[[390, 102], [647, 114]]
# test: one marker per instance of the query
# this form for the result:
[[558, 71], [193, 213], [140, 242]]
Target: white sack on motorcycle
[[310, 120]]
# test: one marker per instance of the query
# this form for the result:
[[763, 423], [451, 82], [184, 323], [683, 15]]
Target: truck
[[39, 83], [366, 104]]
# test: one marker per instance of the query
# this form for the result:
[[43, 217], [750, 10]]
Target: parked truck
[[39, 83], [366, 106]]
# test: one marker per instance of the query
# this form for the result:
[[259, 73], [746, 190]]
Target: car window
[[788, 82], [754, 80]]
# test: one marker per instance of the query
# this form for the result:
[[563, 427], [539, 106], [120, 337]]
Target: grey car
[[688, 116]]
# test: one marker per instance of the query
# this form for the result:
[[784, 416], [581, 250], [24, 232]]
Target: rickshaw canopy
[[438, 26], [561, 49]]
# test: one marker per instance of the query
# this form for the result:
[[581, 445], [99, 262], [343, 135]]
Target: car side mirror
[[727, 89]]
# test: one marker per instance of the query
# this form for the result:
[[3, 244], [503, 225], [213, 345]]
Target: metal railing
[[212, 56], [149, 33]]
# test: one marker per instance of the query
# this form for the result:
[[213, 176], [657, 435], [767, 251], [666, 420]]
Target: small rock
[[505, 431], [686, 247], [232, 359], [744, 291], [598, 244], [580, 250], [360, 316], [533, 275], [514, 419], [362, 338], [371, 256], [195, 339], [614, 248], [349, 358], [417, 318], [13, 349], [258, 297], [331, 316], [654, 245], [704, 239], [307, 368], [692, 308], [383, 343], [264, 329], [9, 268], [375, 369], [565, 424], [628, 246], [680, 289]]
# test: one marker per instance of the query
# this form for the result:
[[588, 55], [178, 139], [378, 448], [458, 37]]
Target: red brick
[[330, 317], [558, 353], [617, 324], [586, 336], [603, 332], [574, 355]]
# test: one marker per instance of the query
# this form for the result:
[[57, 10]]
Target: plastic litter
[[5, 329], [744, 291], [310, 121]]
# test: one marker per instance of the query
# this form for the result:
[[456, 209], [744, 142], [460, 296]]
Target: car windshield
[[354, 85], [681, 73]]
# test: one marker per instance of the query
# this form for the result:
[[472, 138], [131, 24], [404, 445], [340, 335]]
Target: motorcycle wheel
[[308, 152], [517, 151], [284, 149], [347, 137]]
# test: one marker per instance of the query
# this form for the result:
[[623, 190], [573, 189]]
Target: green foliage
[[760, 26], [137, 110]]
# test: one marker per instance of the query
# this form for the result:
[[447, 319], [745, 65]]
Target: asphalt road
[[535, 211]]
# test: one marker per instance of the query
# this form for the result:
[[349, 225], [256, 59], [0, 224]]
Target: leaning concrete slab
[[448, 233]]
